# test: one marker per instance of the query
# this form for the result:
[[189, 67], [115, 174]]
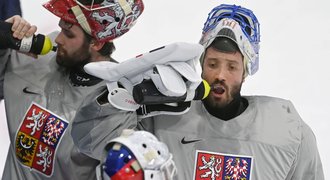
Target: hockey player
[[225, 136], [229, 136], [41, 97]]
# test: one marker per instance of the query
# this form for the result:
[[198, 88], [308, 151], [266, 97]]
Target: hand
[[21, 28]]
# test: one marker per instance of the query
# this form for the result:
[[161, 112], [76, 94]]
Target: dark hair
[[107, 49], [225, 44]]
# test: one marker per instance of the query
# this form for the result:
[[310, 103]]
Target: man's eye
[[68, 34], [232, 67], [212, 64]]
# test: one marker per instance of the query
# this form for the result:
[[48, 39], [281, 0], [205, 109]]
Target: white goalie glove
[[169, 74]]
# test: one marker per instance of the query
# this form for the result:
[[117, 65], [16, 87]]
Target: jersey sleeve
[[95, 125], [308, 163]]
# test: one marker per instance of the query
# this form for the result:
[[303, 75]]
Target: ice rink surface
[[294, 54]]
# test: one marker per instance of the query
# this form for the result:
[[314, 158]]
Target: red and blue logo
[[38, 137], [218, 166]]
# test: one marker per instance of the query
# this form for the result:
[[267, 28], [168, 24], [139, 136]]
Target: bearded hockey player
[[229, 136], [224, 136], [42, 96]]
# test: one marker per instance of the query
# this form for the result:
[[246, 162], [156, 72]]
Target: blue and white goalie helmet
[[137, 155], [238, 24]]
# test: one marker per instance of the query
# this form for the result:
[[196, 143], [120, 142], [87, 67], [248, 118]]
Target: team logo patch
[[217, 166], [38, 137]]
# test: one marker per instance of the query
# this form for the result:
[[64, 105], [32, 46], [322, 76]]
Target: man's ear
[[96, 45]]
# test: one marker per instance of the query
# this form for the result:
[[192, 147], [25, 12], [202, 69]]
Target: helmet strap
[[82, 20], [126, 6]]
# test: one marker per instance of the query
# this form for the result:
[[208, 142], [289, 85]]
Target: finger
[[15, 20], [21, 29], [26, 31], [12, 19], [32, 30]]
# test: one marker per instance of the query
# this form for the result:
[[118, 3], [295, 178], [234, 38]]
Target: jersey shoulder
[[279, 121]]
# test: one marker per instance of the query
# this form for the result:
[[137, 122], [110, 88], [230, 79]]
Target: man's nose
[[59, 38], [221, 74]]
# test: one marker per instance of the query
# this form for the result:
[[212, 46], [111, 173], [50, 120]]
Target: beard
[[219, 103], [76, 60]]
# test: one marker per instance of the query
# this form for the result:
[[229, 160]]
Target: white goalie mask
[[137, 155], [238, 24]]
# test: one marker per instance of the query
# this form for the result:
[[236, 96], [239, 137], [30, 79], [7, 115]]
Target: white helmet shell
[[152, 156]]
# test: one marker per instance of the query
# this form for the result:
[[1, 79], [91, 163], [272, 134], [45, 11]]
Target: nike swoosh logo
[[25, 90], [184, 141]]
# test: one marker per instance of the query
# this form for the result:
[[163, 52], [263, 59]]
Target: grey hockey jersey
[[41, 104], [267, 141]]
